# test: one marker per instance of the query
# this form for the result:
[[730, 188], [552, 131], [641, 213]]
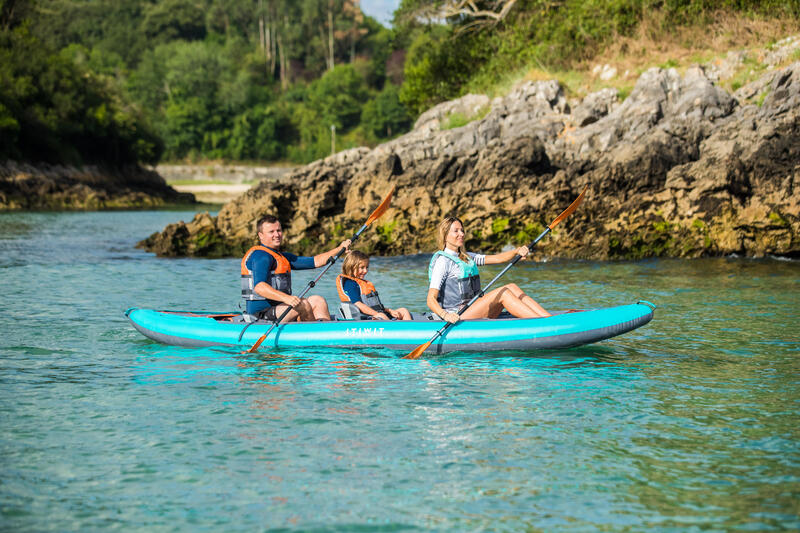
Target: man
[[267, 277]]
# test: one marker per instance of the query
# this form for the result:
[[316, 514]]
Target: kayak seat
[[245, 318], [348, 311]]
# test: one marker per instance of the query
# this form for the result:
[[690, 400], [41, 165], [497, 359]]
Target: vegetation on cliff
[[123, 80], [484, 47]]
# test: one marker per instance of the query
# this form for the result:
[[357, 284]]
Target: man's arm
[[270, 293], [321, 259]]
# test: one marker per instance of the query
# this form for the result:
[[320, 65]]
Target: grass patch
[[750, 70], [499, 224], [624, 92], [386, 232], [457, 120], [651, 44]]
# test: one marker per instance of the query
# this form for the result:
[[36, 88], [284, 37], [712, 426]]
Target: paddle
[[573, 206], [331, 260]]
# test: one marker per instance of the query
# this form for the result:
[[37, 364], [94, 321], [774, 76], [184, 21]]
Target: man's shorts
[[267, 314]]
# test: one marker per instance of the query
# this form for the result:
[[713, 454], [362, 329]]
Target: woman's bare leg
[[527, 300], [491, 304], [510, 297]]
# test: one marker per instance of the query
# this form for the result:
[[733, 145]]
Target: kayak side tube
[[563, 330]]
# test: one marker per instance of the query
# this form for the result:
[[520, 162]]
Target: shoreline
[[213, 193]]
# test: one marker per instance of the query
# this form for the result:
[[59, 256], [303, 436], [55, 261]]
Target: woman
[[454, 280], [356, 290]]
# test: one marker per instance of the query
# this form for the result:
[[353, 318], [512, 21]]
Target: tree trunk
[[284, 56], [263, 37], [273, 47], [282, 63], [330, 35]]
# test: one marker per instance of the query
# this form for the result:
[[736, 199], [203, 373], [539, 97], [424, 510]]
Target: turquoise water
[[689, 423]]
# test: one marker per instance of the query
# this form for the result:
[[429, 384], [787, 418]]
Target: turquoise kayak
[[562, 330]]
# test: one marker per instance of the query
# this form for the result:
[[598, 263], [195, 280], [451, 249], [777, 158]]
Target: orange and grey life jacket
[[280, 279], [369, 295]]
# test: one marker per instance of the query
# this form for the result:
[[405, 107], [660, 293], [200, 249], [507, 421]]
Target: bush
[[385, 116], [54, 110], [337, 97], [437, 66], [259, 133]]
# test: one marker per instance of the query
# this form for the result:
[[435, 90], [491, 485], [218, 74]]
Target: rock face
[[679, 168], [24, 186]]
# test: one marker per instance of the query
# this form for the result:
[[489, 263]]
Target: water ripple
[[688, 423]]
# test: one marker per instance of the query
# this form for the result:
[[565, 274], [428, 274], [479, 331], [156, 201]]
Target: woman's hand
[[346, 244], [451, 317], [523, 251]]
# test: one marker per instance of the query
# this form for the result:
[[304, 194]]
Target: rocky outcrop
[[42, 186], [679, 168]]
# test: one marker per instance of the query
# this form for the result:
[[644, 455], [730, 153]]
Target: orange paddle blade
[[256, 345], [381, 209], [418, 350], [568, 211]]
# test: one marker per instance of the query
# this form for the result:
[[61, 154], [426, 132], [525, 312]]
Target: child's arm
[[364, 308]]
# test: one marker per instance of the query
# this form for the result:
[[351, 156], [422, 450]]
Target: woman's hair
[[441, 236], [351, 262]]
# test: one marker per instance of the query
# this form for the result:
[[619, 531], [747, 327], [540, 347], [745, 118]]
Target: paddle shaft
[[474, 299], [311, 284]]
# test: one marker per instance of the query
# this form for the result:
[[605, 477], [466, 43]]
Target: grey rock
[[680, 168]]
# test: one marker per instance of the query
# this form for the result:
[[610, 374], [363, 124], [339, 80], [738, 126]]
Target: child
[[354, 289]]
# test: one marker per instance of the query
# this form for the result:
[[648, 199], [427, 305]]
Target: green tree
[[262, 133], [55, 110], [385, 116], [437, 67], [337, 97], [168, 20]]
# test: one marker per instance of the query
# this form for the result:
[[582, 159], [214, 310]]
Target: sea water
[[689, 423]]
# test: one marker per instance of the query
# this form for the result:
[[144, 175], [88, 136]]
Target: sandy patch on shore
[[214, 194]]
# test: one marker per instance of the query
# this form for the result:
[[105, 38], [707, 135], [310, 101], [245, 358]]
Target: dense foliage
[[55, 109], [120, 80], [117, 81]]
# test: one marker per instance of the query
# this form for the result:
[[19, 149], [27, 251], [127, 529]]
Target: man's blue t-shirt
[[351, 289], [262, 264]]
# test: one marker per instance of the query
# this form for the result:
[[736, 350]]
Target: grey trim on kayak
[[175, 341], [568, 340]]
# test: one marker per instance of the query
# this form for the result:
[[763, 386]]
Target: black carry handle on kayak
[[572, 207], [384, 205]]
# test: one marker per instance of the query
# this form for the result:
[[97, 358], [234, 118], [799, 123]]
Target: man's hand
[[292, 300]]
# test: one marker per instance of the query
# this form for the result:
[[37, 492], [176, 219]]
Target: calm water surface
[[690, 423]]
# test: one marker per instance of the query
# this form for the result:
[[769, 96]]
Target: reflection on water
[[687, 423]]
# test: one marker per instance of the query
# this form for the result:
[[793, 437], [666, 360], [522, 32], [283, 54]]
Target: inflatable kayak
[[562, 330]]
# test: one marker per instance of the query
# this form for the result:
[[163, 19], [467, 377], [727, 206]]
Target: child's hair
[[351, 262], [441, 236]]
